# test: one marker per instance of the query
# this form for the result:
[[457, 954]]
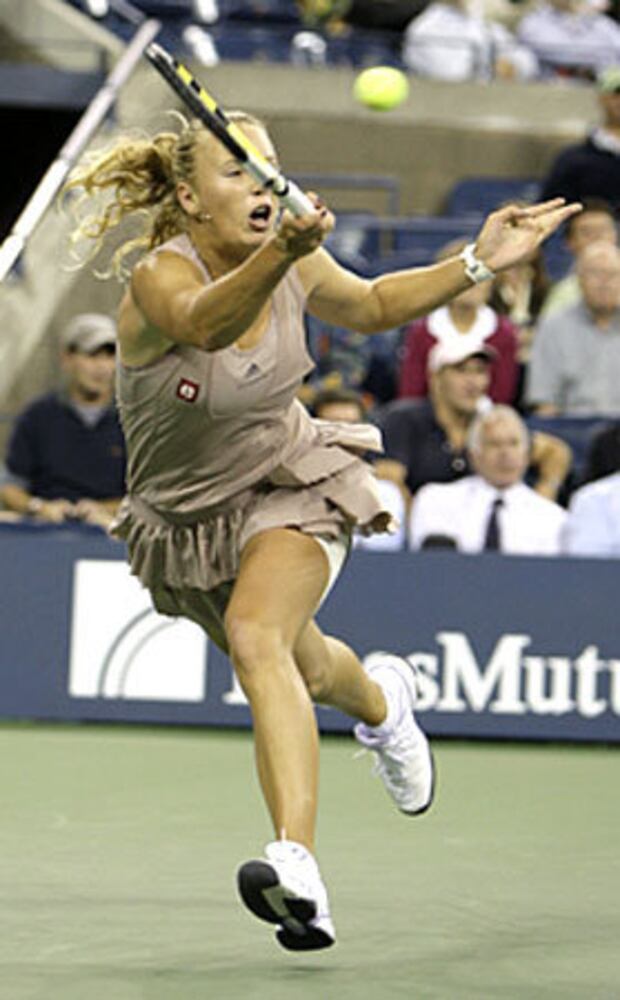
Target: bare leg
[[282, 576], [334, 676]]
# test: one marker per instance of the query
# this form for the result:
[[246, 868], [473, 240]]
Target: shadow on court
[[118, 849]]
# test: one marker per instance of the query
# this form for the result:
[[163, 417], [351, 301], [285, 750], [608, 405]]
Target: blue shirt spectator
[[59, 452], [66, 454]]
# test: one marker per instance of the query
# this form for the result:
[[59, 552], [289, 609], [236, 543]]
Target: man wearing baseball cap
[[66, 454], [455, 350], [592, 168], [428, 437], [89, 333]]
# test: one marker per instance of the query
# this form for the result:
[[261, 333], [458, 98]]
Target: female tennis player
[[240, 507]]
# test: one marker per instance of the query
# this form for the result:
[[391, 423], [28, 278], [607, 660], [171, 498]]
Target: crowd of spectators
[[444, 388], [549, 351], [458, 458], [455, 40]]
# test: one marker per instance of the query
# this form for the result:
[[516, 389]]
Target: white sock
[[391, 686], [288, 850]]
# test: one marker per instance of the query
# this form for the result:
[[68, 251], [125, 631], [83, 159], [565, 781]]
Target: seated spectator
[[595, 224], [362, 32], [593, 523], [271, 12], [348, 406], [570, 39], [448, 41], [344, 405], [66, 454], [493, 509], [337, 15], [468, 317], [591, 169], [603, 458], [520, 291], [428, 436], [575, 366], [518, 294], [366, 364]]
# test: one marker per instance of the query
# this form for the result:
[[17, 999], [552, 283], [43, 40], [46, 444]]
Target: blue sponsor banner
[[515, 648]]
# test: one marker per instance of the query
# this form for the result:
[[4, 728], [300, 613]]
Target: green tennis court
[[119, 847]]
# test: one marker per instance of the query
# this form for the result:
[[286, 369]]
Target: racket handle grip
[[295, 200]]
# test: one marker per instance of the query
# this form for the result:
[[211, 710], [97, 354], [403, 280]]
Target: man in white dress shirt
[[493, 509], [593, 523], [454, 40]]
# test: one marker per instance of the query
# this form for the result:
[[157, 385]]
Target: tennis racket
[[206, 108]]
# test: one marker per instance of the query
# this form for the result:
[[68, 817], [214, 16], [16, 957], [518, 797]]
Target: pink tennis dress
[[219, 449]]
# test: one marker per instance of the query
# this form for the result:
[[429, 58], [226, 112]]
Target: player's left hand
[[511, 233]]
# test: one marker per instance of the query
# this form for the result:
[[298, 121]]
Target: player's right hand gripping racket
[[206, 108]]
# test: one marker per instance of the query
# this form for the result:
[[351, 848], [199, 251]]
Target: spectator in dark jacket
[[428, 437], [66, 455], [603, 458], [592, 168]]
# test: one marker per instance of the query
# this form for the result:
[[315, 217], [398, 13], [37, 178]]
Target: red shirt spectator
[[496, 331]]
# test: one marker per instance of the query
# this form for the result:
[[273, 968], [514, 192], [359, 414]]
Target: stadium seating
[[577, 432], [483, 194], [401, 241], [428, 234], [557, 256]]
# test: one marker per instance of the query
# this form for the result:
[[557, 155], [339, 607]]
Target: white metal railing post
[[90, 121]]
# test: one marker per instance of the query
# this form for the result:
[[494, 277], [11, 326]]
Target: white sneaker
[[286, 889], [403, 757]]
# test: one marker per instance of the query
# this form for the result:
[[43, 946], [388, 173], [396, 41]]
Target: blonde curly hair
[[136, 177]]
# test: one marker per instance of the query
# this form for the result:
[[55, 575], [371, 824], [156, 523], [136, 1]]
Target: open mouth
[[260, 217]]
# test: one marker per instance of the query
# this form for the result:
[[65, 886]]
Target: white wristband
[[475, 269]]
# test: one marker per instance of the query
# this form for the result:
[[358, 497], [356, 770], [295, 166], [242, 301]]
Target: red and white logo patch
[[188, 390]]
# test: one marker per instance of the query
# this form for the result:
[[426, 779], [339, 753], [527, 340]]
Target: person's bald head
[[598, 271], [498, 444]]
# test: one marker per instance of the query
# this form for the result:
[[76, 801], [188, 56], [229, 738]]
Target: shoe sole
[[262, 893], [426, 807]]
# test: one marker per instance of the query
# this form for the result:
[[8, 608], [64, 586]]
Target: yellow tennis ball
[[381, 88]]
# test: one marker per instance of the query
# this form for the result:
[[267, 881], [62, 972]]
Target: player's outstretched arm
[[508, 235]]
